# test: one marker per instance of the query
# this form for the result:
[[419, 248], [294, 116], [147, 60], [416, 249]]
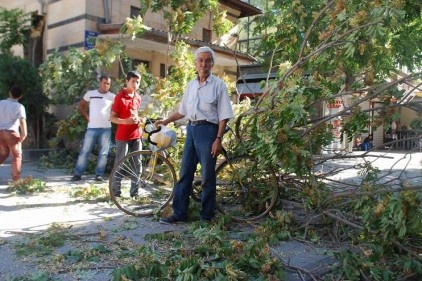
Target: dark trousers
[[197, 149]]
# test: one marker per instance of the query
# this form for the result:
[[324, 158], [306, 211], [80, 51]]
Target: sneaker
[[117, 194], [171, 220], [134, 194], [99, 178], [76, 178]]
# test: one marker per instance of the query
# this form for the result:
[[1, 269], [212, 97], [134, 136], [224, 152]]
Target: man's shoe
[[76, 178], [99, 178], [171, 220], [207, 221]]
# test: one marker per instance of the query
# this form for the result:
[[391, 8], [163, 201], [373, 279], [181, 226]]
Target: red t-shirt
[[125, 107]]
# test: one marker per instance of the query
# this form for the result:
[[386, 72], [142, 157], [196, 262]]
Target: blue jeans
[[101, 137], [197, 149]]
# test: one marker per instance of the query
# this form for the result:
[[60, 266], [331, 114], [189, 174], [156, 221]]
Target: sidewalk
[[36, 212]]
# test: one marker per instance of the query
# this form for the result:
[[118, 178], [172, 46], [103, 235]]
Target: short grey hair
[[205, 50]]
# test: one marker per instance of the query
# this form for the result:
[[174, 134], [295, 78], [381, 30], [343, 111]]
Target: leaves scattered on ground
[[26, 185], [200, 251], [91, 192]]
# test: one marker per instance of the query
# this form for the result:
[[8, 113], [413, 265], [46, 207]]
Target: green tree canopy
[[14, 25], [349, 50], [18, 71], [356, 52]]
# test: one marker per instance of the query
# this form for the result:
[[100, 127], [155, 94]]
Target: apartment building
[[60, 24]]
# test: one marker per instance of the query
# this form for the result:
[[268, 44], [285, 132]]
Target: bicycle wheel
[[142, 183], [246, 191]]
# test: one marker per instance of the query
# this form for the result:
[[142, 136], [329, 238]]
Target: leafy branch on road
[[201, 251], [26, 185]]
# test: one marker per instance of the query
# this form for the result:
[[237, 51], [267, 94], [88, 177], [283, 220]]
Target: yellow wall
[[406, 116]]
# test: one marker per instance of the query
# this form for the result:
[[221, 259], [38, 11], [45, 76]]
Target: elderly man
[[206, 104]]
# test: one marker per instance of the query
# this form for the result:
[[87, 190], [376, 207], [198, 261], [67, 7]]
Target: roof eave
[[161, 37], [246, 10]]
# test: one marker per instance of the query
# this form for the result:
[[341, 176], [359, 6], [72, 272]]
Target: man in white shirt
[[13, 130], [207, 105], [99, 128]]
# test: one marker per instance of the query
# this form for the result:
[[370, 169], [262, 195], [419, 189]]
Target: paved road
[[36, 212]]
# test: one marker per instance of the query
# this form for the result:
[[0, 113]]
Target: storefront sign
[[337, 103]]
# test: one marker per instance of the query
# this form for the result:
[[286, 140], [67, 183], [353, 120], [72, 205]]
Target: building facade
[[61, 24], [73, 23]]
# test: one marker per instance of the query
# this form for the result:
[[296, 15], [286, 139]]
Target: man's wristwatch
[[220, 138]]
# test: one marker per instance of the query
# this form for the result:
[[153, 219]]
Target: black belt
[[200, 122]]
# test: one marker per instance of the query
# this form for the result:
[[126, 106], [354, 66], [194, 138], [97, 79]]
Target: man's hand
[[159, 122], [133, 120], [216, 148]]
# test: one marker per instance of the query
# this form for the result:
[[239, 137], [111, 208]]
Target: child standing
[[124, 113]]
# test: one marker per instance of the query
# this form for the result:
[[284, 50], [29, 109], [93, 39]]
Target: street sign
[[90, 39]]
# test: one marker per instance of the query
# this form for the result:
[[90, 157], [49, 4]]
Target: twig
[[305, 242], [311, 27], [87, 234], [399, 245], [293, 268], [328, 213], [353, 193], [20, 232], [406, 277], [363, 275], [87, 268]]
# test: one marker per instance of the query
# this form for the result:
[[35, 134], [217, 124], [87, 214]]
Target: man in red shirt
[[124, 113]]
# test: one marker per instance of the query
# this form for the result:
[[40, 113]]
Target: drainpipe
[[43, 10], [107, 7], [43, 4]]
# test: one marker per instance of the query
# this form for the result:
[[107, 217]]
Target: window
[[206, 35], [134, 12], [162, 70], [136, 62], [131, 65]]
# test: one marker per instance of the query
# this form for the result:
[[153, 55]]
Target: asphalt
[[24, 214]]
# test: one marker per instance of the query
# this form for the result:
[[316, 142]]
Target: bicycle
[[246, 190]]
